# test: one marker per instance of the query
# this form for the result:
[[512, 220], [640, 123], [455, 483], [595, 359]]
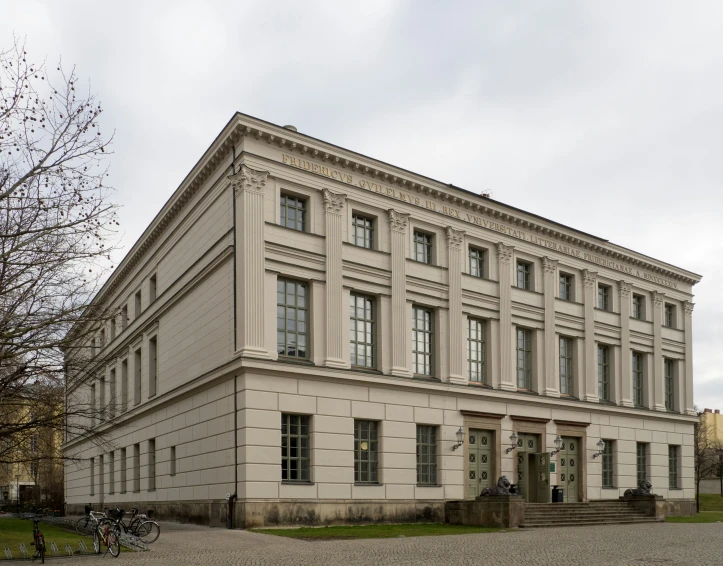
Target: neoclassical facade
[[323, 337]]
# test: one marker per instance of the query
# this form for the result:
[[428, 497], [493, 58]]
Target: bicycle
[[38, 538], [139, 525], [105, 534], [83, 526]]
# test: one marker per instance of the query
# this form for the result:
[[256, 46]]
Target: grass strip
[[376, 531]]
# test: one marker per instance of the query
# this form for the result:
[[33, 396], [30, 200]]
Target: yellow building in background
[[714, 421]]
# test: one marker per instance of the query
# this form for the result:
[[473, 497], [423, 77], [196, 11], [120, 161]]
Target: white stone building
[[309, 329]]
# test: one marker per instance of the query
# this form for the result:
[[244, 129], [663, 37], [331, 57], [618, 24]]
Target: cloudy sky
[[606, 116]]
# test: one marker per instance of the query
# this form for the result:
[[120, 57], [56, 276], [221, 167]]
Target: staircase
[[611, 512]]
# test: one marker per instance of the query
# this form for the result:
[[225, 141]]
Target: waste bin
[[557, 494]]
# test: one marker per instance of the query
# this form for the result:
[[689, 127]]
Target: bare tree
[[705, 453], [56, 229]]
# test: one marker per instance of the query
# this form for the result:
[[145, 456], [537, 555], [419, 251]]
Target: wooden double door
[[533, 469], [480, 469], [570, 468]]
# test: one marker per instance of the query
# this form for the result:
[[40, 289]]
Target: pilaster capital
[[688, 308], [549, 265], [589, 277], [625, 288], [658, 298], [334, 202], [248, 179], [504, 253], [398, 220], [455, 237]]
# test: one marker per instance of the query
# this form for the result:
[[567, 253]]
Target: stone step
[[586, 514], [575, 523]]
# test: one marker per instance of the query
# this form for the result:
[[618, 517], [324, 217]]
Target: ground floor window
[[673, 466], [295, 448], [426, 455], [642, 461], [608, 477], [366, 454]]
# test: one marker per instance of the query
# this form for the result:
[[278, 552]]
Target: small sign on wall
[[552, 467]]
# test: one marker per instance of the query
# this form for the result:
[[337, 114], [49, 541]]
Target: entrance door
[[570, 468], [479, 461], [542, 477], [527, 446]]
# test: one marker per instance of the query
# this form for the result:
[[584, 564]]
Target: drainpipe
[[232, 498]]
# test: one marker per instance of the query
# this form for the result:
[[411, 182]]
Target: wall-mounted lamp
[[460, 439], [558, 446], [513, 442], [600, 448]]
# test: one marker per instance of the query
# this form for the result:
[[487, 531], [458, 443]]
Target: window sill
[[151, 490], [421, 377], [294, 482], [526, 391], [675, 489], [299, 361], [358, 484], [428, 485], [613, 487], [136, 491], [479, 384]]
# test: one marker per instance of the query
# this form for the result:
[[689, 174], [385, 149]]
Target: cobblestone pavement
[[629, 545]]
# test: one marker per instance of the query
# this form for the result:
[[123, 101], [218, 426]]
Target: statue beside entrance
[[643, 488], [502, 488]]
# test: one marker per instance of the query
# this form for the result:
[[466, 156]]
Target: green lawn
[[702, 517], [376, 531], [711, 502], [16, 531]]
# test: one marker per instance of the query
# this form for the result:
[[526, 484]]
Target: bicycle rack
[[23, 550], [8, 554], [69, 550], [54, 548], [81, 546]]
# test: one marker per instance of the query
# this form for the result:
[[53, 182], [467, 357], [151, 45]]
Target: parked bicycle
[[84, 526], [105, 534], [139, 525], [38, 538]]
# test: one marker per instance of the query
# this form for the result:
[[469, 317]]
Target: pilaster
[[589, 279], [626, 370], [248, 186], [334, 216], [455, 239], [401, 341], [550, 381], [658, 380], [504, 257], [686, 402]]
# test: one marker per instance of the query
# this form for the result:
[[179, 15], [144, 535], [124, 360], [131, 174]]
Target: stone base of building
[[656, 506], [680, 508], [212, 513], [491, 511]]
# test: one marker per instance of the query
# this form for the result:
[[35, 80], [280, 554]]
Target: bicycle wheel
[[81, 526], [149, 532], [40, 542], [113, 544], [96, 541], [133, 527]]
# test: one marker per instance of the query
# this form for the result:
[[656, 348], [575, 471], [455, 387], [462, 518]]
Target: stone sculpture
[[502, 488], [643, 489]]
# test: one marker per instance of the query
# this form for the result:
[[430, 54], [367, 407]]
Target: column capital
[[248, 179], [549, 265], [334, 202], [625, 288], [589, 277], [398, 220], [688, 307], [658, 298], [454, 237], [504, 253]]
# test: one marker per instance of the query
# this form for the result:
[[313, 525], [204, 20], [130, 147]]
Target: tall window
[[566, 347], [608, 476], [638, 307], [603, 297], [638, 379], [365, 452], [641, 457], [153, 287], [101, 387], [426, 455], [93, 407], [476, 349], [138, 304], [524, 358], [361, 330], [603, 372], [295, 448], [122, 470], [111, 473], [136, 467], [102, 338], [137, 359], [112, 396], [669, 316], [421, 341], [565, 287], [673, 467], [173, 461], [92, 476], [112, 329], [152, 464], [101, 469], [669, 373], [291, 318], [124, 385], [362, 231], [422, 247], [476, 262], [152, 366], [124, 317], [293, 212], [523, 275]]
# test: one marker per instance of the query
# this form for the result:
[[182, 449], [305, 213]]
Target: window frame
[[641, 461], [152, 366], [604, 297], [303, 422], [370, 476], [673, 466], [638, 307], [608, 465], [566, 288], [525, 273], [306, 316], [427, 455], [524, 334], [151, 464], [371, 330], [284, 207], [477, 348], [567, 361], [368, 232], [669, 313], [603, 372], [638, 378], [669, 371], [477, 261], [427, 354], [426, 241]]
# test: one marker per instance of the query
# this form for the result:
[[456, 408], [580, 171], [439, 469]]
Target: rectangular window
[[669, 319], [603, 297], [34, 468], [361, 330], [669, 373], [136, 467], [638, 307], [111, 473], [92, 476], [93, 408], [152, 366], [34, 444], [476, 262], [524, 358], [93, 347], [476, 340], [101, 409], [291, 318], [365, 452], [153, 288], [112, 329], [523, 275], [362, 231], [124, 385], [173, 460], [101, 479], [603, 372], [123, 470], [426, 455], [139, 304], [422, 247], [112, 396], [295, 451], [566, 377], [137, 359], [565, 287], [608, 476], [293, 212], [102, 338], [124, 317], [152, 464], [673, 467], [641, 454], [638, 379], [421, 341]]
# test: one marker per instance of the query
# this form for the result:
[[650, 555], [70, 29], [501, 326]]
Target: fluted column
[[401, 342], [686, 403], [456, 349], [335, 310], [658, 379], [551, 381], [626, 374], [589, 279], [248, 186], [507, 374]]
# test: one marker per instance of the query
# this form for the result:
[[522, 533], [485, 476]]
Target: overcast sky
[[605, 116]]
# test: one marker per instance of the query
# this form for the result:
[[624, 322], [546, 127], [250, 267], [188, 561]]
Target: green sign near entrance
[[552, 467]]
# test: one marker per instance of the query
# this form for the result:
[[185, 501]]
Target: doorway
[[533, 469], [570, 468], [479, 456]]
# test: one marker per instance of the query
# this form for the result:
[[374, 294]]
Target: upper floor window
[[603, 297], [124, 317], [523, 275], [669, 376], [138, 304], [153, 287], [361, 330], [295, 450], [603, 372], [362, 231], [524, 358], [421, 341], [476, 350], [476, 262], [639, 307], [422, 247], [293, 212], [669, 316], [566, 346], [638, 379], [102, 338], [291, 318], [565, 287]]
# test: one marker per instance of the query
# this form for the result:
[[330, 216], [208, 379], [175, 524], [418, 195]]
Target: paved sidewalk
[[629, 545]]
